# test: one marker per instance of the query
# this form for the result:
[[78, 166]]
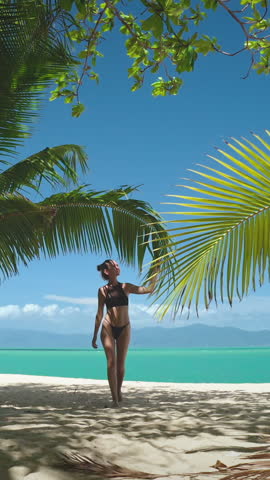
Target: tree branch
[[234, 16], [88, 45]]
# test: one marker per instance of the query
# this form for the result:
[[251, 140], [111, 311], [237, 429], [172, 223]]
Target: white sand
[[162, 428]]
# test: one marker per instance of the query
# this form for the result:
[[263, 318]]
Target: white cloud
[[31, 308], [252, 313], [79, 317], [49, 317], [74, 300], [8, 311], [50, 310], [69, 311]]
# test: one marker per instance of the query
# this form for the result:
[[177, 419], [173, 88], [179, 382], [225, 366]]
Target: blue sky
[[133, 138]]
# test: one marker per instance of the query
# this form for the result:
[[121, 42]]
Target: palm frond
[[31, 55], [222, 245], [96, 221], [21, 223], [56, 165], [79, 221], [256, 469], [74, 461]]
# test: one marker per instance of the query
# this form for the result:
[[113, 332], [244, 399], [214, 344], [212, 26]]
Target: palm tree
[[82, 220], [222, 245], [31, 54]]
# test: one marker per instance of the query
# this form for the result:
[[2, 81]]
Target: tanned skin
[[116, 350]]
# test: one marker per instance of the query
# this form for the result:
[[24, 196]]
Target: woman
[[115, 333]]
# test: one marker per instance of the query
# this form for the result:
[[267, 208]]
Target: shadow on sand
[[38, 421]]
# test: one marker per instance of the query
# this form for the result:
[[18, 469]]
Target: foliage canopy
[[163, 38], [33, 53]]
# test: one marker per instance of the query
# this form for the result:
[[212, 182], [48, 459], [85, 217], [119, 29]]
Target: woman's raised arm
[[140, 290]]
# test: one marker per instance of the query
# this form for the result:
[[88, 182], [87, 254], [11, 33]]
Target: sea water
[[185, 365]]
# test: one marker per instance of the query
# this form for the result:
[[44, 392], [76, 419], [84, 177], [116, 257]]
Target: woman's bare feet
[[113, 404]]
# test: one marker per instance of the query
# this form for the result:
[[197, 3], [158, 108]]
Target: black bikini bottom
[[116, 331]]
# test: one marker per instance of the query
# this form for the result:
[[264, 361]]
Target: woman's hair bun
[[102, 267]]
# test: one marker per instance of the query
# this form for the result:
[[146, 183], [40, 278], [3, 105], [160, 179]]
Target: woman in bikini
[[115, 332]]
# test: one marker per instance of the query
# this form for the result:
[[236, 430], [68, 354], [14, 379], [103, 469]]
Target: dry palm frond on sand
[[256, 469], [75, 461]]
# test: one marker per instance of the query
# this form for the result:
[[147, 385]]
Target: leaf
[[57, 166], [154, 23], [223, 234], [171, 87], [31, 58], [66, 4], [80, 4], [79, 221], [210, 4], [76, 462], [77, 110], [205, 45], [84, 53]]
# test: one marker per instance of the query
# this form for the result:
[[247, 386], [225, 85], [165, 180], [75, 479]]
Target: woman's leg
[[108, 343], [122, 344]]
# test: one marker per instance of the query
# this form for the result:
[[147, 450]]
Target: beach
[[161, 428]]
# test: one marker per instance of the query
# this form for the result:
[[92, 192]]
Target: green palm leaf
[[21, 223], [56, 165], [31, 55], [99, 220], [79, 221], [222, 245]]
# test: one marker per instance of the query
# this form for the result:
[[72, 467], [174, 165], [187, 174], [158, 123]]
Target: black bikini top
[[116, 296]]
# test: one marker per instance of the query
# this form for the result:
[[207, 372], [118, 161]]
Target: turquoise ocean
[[187, 365]]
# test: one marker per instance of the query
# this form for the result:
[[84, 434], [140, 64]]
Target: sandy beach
[[162, 428]]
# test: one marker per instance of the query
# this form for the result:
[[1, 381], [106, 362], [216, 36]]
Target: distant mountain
[[41, 339], [197, 335]]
